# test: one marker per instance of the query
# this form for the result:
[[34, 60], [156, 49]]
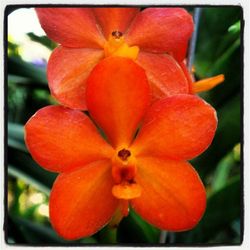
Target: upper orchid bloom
[[147, 170], [156, 38]]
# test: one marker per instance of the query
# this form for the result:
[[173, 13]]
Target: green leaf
[[235, 28], [35, 233], [44, 40], [108, 235], [17, 145], [133, 229], [22, 161], [222, 172], [17, 66], [17, 173], [13, 79], [39, 234], [219, 52], [16, 131], [223, 207], [227, 135]]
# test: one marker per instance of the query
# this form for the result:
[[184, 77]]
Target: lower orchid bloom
[[156, 38], [142, 164]]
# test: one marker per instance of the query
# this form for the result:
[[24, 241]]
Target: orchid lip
[[124, 172]]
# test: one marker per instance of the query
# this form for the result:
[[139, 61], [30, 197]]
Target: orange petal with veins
[[117, 96], [162, 30], [81, 202], [115, 19], [188, 75], [164, 74], [61, 139], [67, 72], [173, 197], [178, 127], [71, 27]]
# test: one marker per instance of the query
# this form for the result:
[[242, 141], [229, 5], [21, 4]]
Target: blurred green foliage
[[218, 51]]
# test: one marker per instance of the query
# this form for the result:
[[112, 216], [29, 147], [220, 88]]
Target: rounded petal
[[173, 197], [117, 96], [178, 127], [61, 139], [81, 202], [188, 75], [162, 30], [115, 19], [67, 72], [71, 27], [165, 76]]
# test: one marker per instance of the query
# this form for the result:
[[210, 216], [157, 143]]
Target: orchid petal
[[117, 96], [173, 197], [165, 76], [81, 202], [71, 27], [115, 19], [68, 70], [178, 127], [161, 30], [61, 139]]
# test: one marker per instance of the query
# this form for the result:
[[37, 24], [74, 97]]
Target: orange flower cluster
[[126, 67]]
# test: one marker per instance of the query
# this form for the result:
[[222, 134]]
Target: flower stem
[[192, 45], [109, 235], [163, 237]]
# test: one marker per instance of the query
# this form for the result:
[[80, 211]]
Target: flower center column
[[123, 172]]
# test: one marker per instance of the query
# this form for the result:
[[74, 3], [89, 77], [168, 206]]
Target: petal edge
[[65, 26], [175, 200], [179, 127], [61, 139], [161, 30], [81, 202]]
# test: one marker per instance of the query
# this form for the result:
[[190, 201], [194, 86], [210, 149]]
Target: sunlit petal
[[117, 96], [178, 127], [61, 139], [81, 202], [67, 72], [162, 30], [71, 27], [115, 19], [165, 76], [173, 197]]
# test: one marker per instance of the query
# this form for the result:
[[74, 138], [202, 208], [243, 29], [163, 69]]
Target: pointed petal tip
[[65, 26], [208, 83], [117, 97]]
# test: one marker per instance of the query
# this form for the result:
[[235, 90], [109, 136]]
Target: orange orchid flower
[[145, 169], [156, 38]]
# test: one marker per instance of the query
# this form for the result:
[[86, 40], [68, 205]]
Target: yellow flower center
[[116, 46], [123, 172]]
